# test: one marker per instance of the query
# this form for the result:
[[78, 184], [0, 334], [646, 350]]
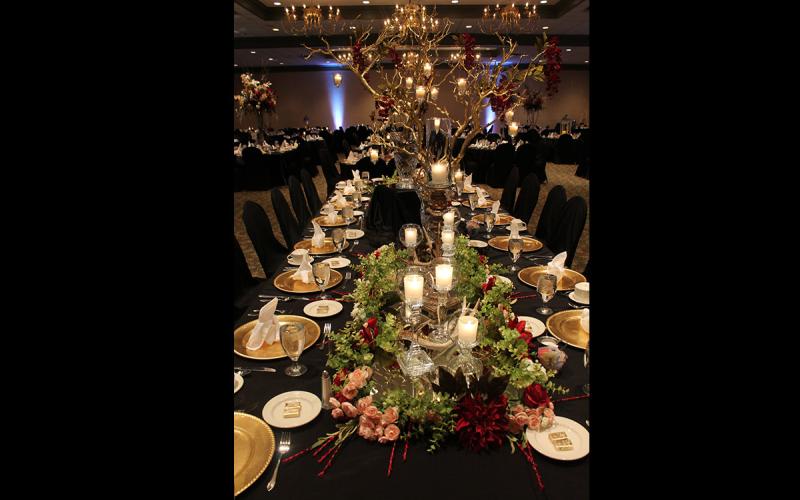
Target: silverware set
[[267, 298], [254, 312], [326, 329], [353, 246], [348, 275], [283, 448]]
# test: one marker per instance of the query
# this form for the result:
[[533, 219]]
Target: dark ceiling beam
[[565, 6], [280, 42], [281, 69]]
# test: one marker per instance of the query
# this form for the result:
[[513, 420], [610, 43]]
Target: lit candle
[[337, 79], [409, 83], [459, 176], [509, 115], [436, 123], [444, 277], [373, 155], [420, 92], [512, 129], [439, 173], [467, 329], [411, 236], [427, 69], [413, 284], [434, 93], [462, 85], [449, 218], [447, 236]]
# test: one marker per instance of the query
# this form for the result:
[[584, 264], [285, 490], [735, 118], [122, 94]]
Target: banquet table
[[452, 472]]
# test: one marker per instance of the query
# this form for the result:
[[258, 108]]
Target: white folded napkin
[[516, 225], [348, 188], [356, 174], [468, 181], [585, 320], [330, 216], [304, 271], [481, 196], [337, 201], [319, 236], [556, 266], [266, 329], [495, 207]]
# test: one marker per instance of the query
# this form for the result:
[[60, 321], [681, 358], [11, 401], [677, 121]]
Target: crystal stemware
[[489, 219], [515, 246], [338, 240], [293, 341], [586, 365], [546, 286], [473, 202], [322, 275], [411, 236], [467, 331]]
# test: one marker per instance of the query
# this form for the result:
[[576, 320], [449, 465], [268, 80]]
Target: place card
[[333, 263], [322, 309], [555, 436], [292, 410], [560, 441]]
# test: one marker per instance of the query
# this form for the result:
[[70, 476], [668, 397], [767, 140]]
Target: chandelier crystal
[[506, 18], [312, 19], [411, 17]]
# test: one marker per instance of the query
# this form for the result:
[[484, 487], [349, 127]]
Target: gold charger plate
[[285, 283], [529, 244], [530, 275], [274, 351], [566, 326], [253, 447], [327, 246], [500, 220], [323, 221]]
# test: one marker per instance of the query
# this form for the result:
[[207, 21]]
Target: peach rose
[[363, 403], [517, 408], [349, 410], [365, 421], [534, 422], [549, 413], [389, 416], [521, 418], [350, 391], [337, 413], [368, 371], [357, 377], [334, 402], [391, 432], [372, 412], [379, 431], [514, 427], [366, 432]]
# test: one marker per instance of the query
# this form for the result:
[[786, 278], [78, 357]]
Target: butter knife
[[264, 369]]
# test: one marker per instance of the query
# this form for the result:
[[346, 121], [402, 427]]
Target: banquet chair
[[551, 214], [565, 149], [390, 168], [527, 199], [259, 229], [501, 166], [510, 190], [570, 227], [493, 137], [540, 165], [587, 272], [314, 202], [301, 211], [364, 165], [245, 286], [345, 171], [331, 174], [524, 158], [289, 228], [583, 169], [389, 209]]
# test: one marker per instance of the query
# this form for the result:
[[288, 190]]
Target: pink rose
[[549, 413], [365, 421], [516, 409], [366, 432], [363, 403], [357, 377], [372, 412], [379, 431], [391, 432], [514, 427], [521, 418], [337, 413], [350, 391], [368, 371], [389, 416], [334, 402], [534, 422], [349, 410]]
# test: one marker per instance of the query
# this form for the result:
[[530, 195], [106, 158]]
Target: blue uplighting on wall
[[336, 98]]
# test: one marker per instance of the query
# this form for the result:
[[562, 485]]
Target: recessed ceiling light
[[235, 65], [352, 27], [281, 63], [365, 2], [453, 1], [252, 51], [276, 3], [469, 26], [586, 61], [269, 59], [545, 27], [569, 50], [275, 29], [542, 1]]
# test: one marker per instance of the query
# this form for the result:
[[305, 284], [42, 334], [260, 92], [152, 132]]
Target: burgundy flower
[[481, 424], [489, 284], [535, 396], [468, 41], [552, 68], [482, 258], [369, 331]]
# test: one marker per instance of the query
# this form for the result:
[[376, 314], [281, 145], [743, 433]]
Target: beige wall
[[312, 93]]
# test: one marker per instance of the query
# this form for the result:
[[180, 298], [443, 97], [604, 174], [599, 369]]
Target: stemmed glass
[[365, 176], [415, 361], [489, 219], [322, 274], [467, 328], [546, 286], [357, 198], [338, 240], [473, 202], [586, 365], [515, 246], [293, 341], [443, 280], [411, 236]]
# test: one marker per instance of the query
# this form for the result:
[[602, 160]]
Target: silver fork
[[353, 246], [347, 275], [326, 329], [283, 447]]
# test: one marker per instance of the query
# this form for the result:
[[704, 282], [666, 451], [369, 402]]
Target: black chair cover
[[314, 203], [270, 252], [527, 199], [551, 214], [287, 222], [510, 190], [565, 149], [583, 169], [540, 165], [587, 272], [525, 157], [299, 205], [501, 168], [390, 208], [569, 229], [390, 168], [244, 284], [364, 165]]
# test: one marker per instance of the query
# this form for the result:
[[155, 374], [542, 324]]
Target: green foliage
[[427, 416], [470, 270], [378, 282]]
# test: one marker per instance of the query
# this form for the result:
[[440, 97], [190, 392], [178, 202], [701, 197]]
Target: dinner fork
[[325, 331], [283, 447], [347, 276], [353, 246]]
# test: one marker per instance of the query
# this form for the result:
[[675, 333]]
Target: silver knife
[[264, 369], [293, 298]]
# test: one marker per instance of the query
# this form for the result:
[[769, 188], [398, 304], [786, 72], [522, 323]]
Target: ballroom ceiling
[[262, 38]]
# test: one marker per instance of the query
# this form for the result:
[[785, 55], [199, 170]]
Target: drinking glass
[[489, 219], [515, 246], [347, 213], [365, 176], [473, 202], [357, 198], [586, 365], [338, 240], [322, 274], [293, 341], [546, 286]]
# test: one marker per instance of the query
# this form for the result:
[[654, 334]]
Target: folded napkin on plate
[[481, 196], [495, 207], [337, 201], [356, 174], [319, 236], [585, 320], [266, 329], [468, 181], [348, 188], [556, 266], [515, 226], [304, 271]]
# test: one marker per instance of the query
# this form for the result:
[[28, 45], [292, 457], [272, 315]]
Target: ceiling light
[[281, 63], [586, 61], [469, 26], [569, 50], [545, 27], [275, 29], [276, 3], [453, 1], [235, 65], [365, 2], [252, 51], [542, 1], [352, 27], [270, 59]]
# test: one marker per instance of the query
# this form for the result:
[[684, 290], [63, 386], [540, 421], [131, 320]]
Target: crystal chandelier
[[412, 17], [312, 19], [504, 18]]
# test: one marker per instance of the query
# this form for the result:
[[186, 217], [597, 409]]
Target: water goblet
[[489, 219], [546, 286], [473, 202], [293, 341], [365, 176], [347, 213], [515, 246], [586, 365], [322, 274]]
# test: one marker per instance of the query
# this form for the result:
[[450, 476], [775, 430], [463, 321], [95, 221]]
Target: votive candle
[[449, 218], [427, 69], [373, 155], [411, 236], [462, 85], [444, 276], [439, 173], [458, 176], [448, 235], [409, 83], [420, 93], [413, 284], [467, 329], [436, 123]]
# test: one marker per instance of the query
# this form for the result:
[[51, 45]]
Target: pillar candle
[[420, 93], [413, 284], [427, 69], [467, 329], [411, 236], [436, 123], [444, 276], [459, 176], [449, 218], [439, 173], [462, 85], [409, 83], [373, 155], [512, 129], [447, 236]]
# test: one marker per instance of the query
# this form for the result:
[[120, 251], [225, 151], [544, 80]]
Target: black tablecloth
[[360, 468]]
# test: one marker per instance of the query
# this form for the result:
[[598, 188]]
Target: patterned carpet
[[556, 174]]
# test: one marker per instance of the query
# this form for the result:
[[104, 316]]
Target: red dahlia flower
[[481, 424]]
